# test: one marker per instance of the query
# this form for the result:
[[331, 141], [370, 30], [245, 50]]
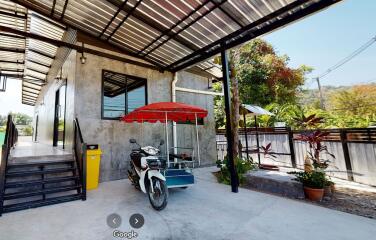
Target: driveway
[[206, 211]]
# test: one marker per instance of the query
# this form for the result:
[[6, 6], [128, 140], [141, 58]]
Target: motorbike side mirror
[[132, 140], [161, 143]]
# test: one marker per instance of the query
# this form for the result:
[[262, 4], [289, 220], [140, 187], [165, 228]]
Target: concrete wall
[[186, 133], [45, 106], [84, 84], [112, 135]]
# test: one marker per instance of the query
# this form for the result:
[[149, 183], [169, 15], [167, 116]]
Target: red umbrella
[[173, 111]]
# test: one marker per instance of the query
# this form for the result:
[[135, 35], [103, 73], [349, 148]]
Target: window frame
[[126, 93]]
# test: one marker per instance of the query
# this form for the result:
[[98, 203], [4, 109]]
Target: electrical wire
[[348, 58]]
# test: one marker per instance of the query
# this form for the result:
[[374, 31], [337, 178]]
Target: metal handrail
[[79, 149], [11, 138]]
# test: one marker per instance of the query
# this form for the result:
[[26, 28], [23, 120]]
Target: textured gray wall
[[84, 102], [46, 111], [186, 133]]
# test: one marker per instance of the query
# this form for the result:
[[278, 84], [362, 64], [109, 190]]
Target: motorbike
[[145, 175]]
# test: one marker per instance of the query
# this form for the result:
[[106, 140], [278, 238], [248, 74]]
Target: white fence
[[360, 152]]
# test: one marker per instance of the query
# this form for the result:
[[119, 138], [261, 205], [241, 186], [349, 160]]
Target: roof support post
[[229, 130]]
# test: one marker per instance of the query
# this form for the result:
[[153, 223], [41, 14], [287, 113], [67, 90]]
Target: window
[[200, 121], [121, 94]]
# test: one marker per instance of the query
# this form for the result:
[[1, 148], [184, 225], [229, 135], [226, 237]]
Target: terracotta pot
[[313, 194]]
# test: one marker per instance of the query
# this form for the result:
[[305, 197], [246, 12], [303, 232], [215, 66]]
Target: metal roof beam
[[141, 17], [129, 13], [49, 21], [27, 103], [13, 75], [41, 64], [174, 26], [38, 10], [12, 36], [16, 50], [27, 97], [113, 17], [11, 70], [80, 48], [37, 89], [41, 53], [229, 15], [13, 62], [64, 9], [34, 78], [23, 90], [215, 6], [34, 70], [15, 14], [53, 8], [250, 31]]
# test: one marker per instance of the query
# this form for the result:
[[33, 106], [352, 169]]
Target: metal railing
[[11, 138], [79, 149]]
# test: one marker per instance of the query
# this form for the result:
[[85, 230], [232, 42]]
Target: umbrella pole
[[167, 152], [257, 142], [246, 134], [198, 142]]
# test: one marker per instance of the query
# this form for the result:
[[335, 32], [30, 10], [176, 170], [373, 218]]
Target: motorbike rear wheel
[[158, 198]]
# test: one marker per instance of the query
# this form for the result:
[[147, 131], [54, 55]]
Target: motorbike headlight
[[154, 164]]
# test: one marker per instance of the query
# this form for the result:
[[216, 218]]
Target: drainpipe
[[174, 88], [173, 99]]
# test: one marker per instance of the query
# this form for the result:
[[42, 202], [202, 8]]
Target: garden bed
[[362, 203], [346, 199]]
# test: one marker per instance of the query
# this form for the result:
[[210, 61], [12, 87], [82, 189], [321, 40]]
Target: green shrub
[[242, 167], [314, 179]]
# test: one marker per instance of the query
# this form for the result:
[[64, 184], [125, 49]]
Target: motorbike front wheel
[[158, 198]]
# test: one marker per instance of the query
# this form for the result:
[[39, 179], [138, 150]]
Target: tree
[[3, 120], [21, 119], [260, 76], [265, 77], [358, 100]]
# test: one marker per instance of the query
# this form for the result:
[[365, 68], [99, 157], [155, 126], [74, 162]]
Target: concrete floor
[[207, 210], [27, 150]]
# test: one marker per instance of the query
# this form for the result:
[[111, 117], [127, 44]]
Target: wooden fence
[[354, 150]]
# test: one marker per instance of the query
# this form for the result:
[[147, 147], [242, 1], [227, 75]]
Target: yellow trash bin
[[92, 166]]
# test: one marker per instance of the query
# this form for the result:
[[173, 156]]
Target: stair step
[[40, 203], [26, 194], [39, 172], [35, 164], [40, 182]]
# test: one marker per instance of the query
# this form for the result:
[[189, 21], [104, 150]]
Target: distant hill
[[310, 96]]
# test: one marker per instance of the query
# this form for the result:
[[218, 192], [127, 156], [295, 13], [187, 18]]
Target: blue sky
[[323, 39]]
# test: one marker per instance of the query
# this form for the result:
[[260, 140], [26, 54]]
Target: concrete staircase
[[40, 181]]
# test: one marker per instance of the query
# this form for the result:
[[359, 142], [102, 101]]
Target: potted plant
[[313, 183], [313, 178]]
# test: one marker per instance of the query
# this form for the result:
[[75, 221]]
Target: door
[[59, 121], [36, 129]]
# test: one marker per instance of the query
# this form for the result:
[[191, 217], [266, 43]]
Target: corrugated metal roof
[[24, 58], [255, 110], [166, 32], [171, 34]]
